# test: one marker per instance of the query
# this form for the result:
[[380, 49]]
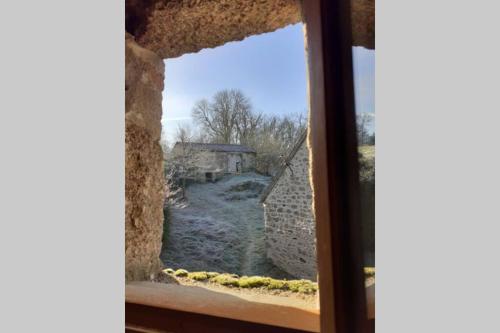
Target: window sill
[[207, 302]]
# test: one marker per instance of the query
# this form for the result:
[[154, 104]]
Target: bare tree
[[228, 118], [183, 133], [180, 163], [275, 137], [363, 122]]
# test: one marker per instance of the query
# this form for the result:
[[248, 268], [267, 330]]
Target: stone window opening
[[147, 44], [150, 81], [237, 164]]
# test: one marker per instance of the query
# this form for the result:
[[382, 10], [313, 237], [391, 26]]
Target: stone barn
[[290, 227], [289, 222], [209, 161]]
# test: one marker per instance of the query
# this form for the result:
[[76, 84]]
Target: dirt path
[[221, 228]]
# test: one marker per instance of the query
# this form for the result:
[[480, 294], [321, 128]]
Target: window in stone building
[[239, 202], [242, 122]]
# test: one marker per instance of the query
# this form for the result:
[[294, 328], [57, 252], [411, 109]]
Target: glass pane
[[364, 89]]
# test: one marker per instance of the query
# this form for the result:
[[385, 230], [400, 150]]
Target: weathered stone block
[[144, 183]]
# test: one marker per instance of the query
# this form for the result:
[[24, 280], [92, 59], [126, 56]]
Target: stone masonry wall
[[176, 27], [144, 182], [290, 226]]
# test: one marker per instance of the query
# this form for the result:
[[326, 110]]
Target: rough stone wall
[[173, 28], [247, 161], [178, 27], [207, 161], [217, 162], [290, 225], [363, 23], [144, 181]]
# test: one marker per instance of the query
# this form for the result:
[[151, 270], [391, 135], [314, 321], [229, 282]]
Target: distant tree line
[[229, 118]]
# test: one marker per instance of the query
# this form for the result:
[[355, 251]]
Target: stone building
[[289, 220], [208, 162], [158, 30]]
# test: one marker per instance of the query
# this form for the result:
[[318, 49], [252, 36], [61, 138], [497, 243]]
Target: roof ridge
[[282, 169], [228, 147], [210, 143]]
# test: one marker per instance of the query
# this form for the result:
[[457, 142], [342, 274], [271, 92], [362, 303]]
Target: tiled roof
[[228, 148]]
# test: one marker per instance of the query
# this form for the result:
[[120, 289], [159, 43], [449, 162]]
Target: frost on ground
[[220, 227]]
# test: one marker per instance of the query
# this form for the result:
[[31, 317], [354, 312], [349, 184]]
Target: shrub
[[181, 273]]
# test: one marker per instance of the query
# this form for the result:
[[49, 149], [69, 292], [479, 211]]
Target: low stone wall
[[289, 221]]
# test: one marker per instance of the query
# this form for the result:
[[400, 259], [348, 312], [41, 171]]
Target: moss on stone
[[169, 271], [369, 271], [277, 284], [226, 280], [254, 281], [181, 273], [198, 276], [302, 286], [233, 280], [212, 274]]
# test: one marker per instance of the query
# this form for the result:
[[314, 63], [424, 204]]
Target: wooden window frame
[[332, 139], [335, 170]]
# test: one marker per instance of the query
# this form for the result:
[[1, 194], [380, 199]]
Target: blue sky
[[269, 68]]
